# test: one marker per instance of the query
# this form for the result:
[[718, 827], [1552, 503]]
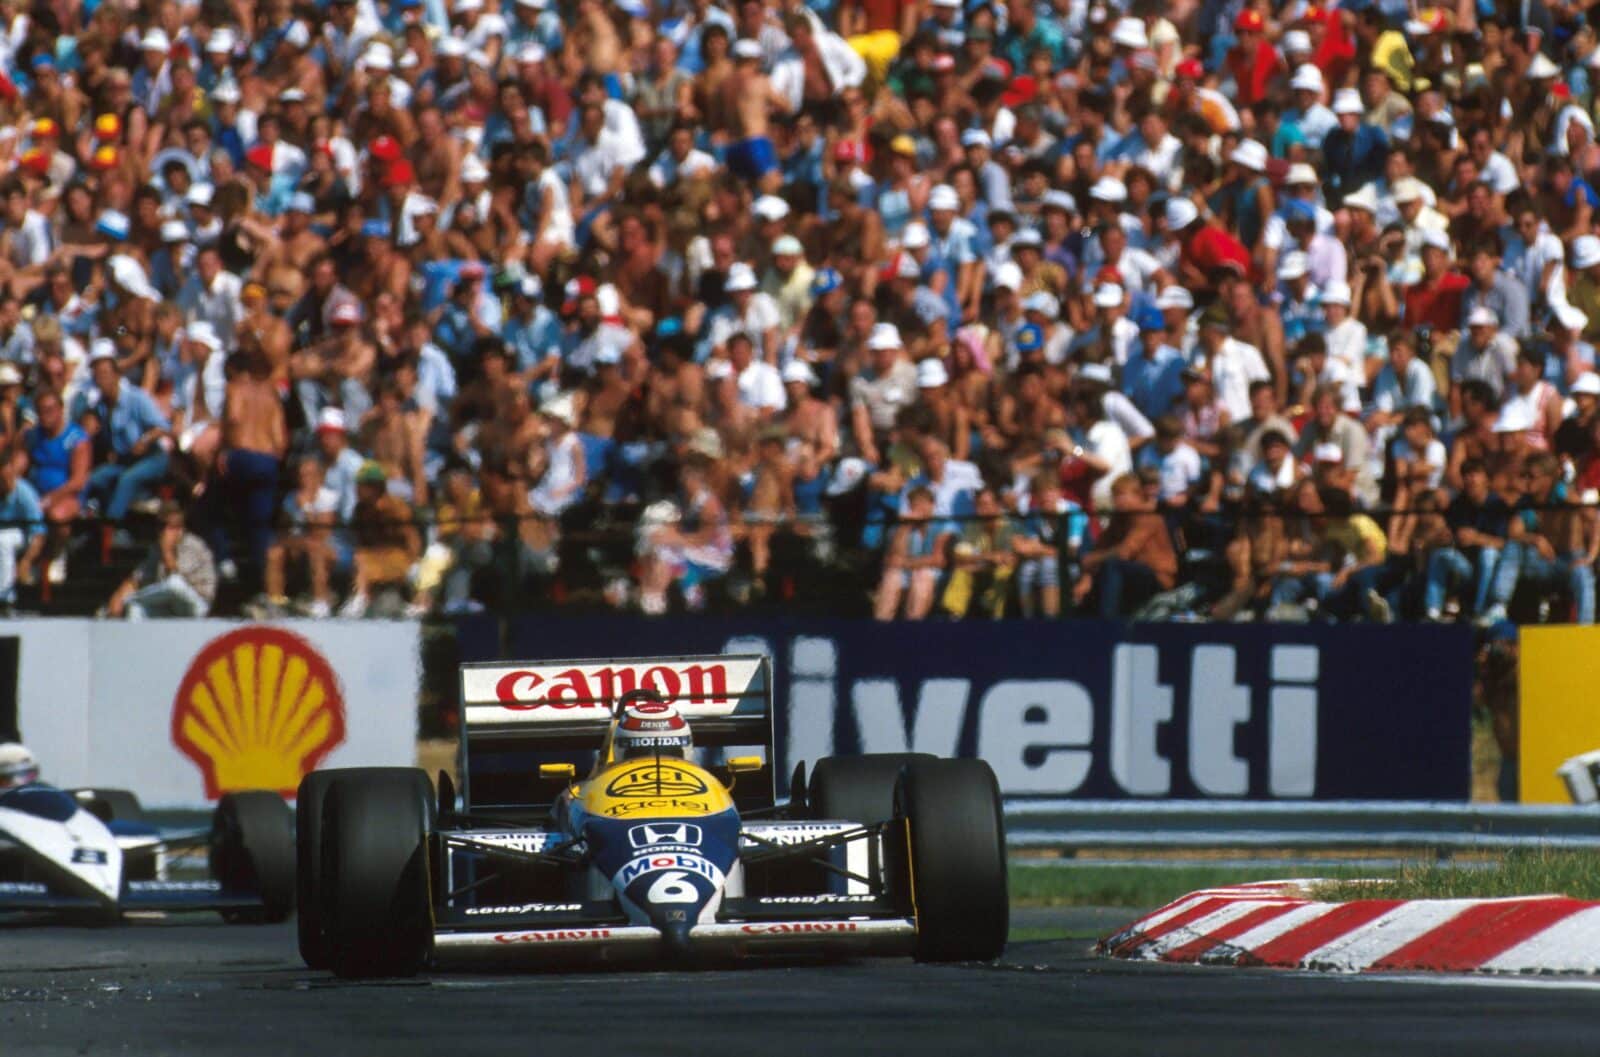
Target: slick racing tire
[[313, 793], [252, 850], [376, 908], [110, 805], [957, 843], [857, 788]]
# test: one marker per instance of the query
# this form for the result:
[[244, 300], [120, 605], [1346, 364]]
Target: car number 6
[[670, 887]]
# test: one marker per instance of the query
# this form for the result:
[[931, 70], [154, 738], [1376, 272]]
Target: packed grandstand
[[924, 309]]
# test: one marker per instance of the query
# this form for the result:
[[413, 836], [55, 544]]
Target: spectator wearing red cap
[[1253, 61]]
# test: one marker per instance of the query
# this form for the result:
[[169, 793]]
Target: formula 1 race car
[[626, 810], [90, 854]]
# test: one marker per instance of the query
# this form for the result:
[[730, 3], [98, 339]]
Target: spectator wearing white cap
[[199, 387], [480, 30], [1435, 299], [788, 282], [1354, 153], [1299, 302], [152, 80], [1308, 116], [748, 309], [1112, 335], [994, 181], [1245, 197], [1301, 223], [1346, 335], [952, 265], [1583, 282], [1571, 355], [1097, 444], [809, 420], [1574, 441], [887, 384], [1484, 352], [1412, 210]]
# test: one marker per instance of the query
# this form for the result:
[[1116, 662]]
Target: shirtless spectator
[[748, 99], [254, 441], [393, 435], [809, 419], [334, 371], [675, 382]]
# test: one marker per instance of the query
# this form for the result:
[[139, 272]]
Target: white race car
[[90, 854]]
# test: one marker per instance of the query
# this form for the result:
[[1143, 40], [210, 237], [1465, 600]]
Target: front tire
[[956, 832], [308, 804], [374, 891], [252, 850], [857, 788]]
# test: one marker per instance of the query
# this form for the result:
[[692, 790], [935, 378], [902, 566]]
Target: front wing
[[834, 889]]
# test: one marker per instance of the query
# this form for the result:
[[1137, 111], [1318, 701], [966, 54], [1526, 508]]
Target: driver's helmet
[[650, 726], [17, 765]]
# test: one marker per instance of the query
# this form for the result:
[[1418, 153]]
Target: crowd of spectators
[[1242, 310]]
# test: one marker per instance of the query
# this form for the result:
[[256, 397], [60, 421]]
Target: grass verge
[[1534, 871], [1137, 886]]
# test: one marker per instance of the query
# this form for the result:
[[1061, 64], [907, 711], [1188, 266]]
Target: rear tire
[[377, 913], [252, 850], [857, 788], [957, 838]]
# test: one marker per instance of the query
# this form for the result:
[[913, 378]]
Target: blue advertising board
[[1087, 709]]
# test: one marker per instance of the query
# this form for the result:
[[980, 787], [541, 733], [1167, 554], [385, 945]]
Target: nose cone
[[671, 890], [667, 872]]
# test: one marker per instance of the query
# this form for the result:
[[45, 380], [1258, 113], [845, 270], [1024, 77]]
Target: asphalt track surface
[[194, 986]]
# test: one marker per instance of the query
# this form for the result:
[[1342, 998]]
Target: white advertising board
[[183, 711]]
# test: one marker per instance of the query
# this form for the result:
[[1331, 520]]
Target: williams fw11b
[[620, 811], [89, 854]]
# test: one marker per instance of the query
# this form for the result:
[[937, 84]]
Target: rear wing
[[518, 714]]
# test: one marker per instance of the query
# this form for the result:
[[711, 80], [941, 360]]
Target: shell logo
[[258, 708]]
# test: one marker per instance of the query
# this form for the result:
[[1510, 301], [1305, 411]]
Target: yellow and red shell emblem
[[258, 708]]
